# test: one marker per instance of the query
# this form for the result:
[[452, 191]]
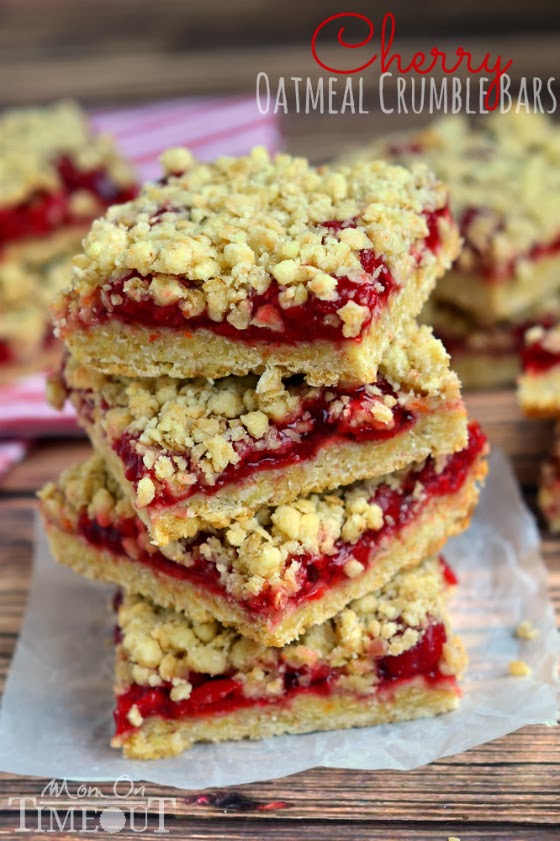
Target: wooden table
[[509, 789]]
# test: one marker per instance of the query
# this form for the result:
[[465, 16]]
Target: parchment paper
[[56, 714]]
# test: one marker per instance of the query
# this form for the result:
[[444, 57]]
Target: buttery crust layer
[[495, 301], [158, 738]]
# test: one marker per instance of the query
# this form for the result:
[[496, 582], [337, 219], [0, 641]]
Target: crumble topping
[[189, 431], [161, 645], [31, 141], [232, 227], [504, 180], [526, 630], [519, 668], [265, 549]]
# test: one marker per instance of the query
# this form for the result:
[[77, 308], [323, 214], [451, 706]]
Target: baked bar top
[[161, 646], [181, 436], [40, 147], [504, 180], [210, 240]]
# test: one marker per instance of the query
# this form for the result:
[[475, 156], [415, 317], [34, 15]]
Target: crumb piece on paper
[[519, 668], [453, 838], [526, 630]]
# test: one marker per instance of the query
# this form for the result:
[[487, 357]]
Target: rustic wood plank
[[115, 72], [174, 24], [44, 463]]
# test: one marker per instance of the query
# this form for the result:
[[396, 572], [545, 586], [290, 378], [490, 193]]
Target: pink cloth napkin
[[209, 127]]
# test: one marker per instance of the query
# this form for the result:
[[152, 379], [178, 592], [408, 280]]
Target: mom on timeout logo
[[79, 808], [436, 81]]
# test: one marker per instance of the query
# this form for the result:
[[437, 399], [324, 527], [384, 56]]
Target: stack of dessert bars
[[504, 180], [55, 178], [280, 450]]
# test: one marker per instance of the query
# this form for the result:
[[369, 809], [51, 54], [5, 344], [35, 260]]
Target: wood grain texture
[[116, 71]]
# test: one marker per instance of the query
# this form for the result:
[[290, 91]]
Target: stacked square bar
[[539, 396], [504, 182], [281, 451], [55, 178]]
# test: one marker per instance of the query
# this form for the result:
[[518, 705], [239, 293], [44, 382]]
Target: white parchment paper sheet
[[56, 714]]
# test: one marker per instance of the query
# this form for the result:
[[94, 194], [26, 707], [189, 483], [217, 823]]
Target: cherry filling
[[44, 212], [295, 440], [317, 573], [501, 341], [218, 695], [314, 320], [490, 272], [6, 353], [536, 358]]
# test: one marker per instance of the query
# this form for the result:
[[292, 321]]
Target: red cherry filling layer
[[311, 321], [295, 440], [317, 573], [43, 212], [494, 343], [219, 695], [491, 272], [536, 358]]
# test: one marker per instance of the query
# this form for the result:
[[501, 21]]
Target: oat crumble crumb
[[526, 630], [519, 668]]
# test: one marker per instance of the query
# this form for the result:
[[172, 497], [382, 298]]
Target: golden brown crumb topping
[[163, 646], [190, 431], [233, 226], [31, 141], [503, 176], [526, 630], [254, 552], [519, 668]]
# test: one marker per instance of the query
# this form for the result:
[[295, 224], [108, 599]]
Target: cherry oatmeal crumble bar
[[272, 575], [55, 177], [549, 486], [192, 453], [388, 656], [487, 355], [504, 181], [230, 267], [539, 385]]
